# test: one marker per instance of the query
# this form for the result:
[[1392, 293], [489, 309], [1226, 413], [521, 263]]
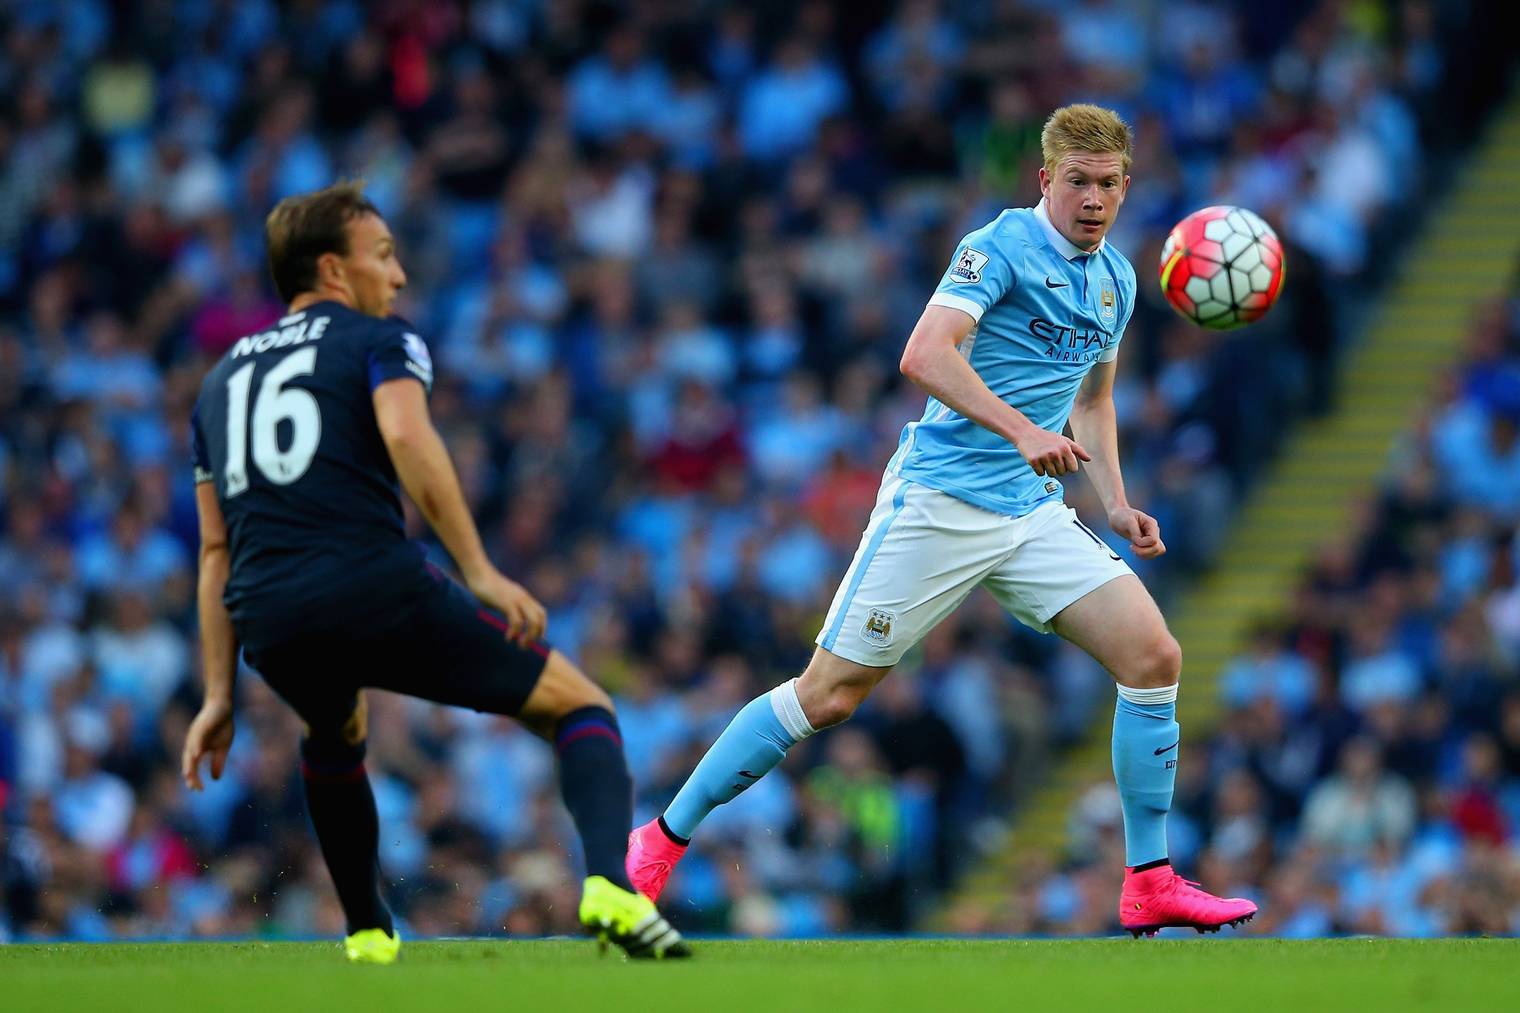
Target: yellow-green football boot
[[628, 920], [372, 946]]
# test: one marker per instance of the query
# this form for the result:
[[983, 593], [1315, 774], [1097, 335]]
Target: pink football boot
[[1159, 898], [652, 857]]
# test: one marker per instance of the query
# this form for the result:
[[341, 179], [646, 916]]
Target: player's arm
[[933, 361], [426, 472], [1095, 425], [210, 734]]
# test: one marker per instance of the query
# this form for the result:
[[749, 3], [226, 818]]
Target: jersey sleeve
[[979, 274], [200, 460], [399, 352]]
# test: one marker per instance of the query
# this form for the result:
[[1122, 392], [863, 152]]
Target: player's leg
[[755, 741], [921, 554], [828, 692], [1064, 579], [338, 794], [1121, 627], [342, 807], [576, 715], [453, 651]]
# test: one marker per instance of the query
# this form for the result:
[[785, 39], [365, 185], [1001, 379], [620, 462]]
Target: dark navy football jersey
[[285, 427]]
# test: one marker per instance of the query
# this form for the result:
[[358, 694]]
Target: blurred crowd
[[666, 255], [1367, 776]]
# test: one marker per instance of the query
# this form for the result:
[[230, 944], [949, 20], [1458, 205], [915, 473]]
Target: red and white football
[[1222, 267]]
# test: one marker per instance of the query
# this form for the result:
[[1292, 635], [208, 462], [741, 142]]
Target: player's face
[[373, 273], [1083, 195]]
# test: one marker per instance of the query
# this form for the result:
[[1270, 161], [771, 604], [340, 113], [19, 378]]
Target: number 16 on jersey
[[274, 404]]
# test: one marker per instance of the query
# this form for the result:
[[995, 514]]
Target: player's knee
[[562, 689], [332, 755], [356, 729], [831, 703], [835, 707], [831, 690], [1159, 664], [596, 696], [585, 693], [333, 750]]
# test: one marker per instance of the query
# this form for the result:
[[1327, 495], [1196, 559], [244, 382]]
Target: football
[[1222, 267]]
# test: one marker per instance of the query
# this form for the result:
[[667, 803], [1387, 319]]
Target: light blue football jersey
[[1045, 311]]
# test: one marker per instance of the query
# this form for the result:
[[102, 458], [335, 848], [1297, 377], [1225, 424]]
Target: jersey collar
[[1062, 245]]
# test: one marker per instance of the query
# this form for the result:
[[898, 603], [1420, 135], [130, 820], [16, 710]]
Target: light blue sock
[[754, 741], [1146, 737]]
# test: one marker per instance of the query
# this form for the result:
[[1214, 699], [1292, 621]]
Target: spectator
[[131, 553], [1359, 808], [619, 89], [94, 808], [784, 105]]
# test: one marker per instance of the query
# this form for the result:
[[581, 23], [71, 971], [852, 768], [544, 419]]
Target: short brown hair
[[1084, 128], [303, 227]]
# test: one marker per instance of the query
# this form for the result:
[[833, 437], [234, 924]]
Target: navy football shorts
[[441, 645]]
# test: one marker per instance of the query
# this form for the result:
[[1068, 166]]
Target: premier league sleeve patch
[[967, 269], [417, 352], [400, 355]]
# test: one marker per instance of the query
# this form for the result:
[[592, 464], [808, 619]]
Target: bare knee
[[562, 689], [832, 690], [1157, 664], [834, 706], [592, 695]]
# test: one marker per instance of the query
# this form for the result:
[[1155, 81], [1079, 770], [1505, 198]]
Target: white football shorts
[[924, 551]]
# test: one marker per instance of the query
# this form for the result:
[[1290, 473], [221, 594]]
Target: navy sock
[[342, 809], [594, 782]]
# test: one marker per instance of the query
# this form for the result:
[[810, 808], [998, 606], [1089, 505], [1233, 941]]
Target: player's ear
[[330, 270], [1044, 182]]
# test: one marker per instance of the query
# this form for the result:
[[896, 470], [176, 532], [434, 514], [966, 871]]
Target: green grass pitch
[[1148, 976]]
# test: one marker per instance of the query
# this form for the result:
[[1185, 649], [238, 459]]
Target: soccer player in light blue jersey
[[1018, 342]]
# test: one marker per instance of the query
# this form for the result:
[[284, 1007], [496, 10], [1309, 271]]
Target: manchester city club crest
[[1108, 301], [878, 627]]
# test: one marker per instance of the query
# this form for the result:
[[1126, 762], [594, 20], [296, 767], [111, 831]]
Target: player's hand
[[526, 617], [210, 735], [1141, 529], [1050, 453]]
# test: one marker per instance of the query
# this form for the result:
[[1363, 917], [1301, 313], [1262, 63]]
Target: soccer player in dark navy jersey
[[302, 438]]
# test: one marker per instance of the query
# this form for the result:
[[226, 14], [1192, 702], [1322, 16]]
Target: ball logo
[[878, 627]]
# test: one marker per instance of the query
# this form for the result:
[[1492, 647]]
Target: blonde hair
[[1084, 128]]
